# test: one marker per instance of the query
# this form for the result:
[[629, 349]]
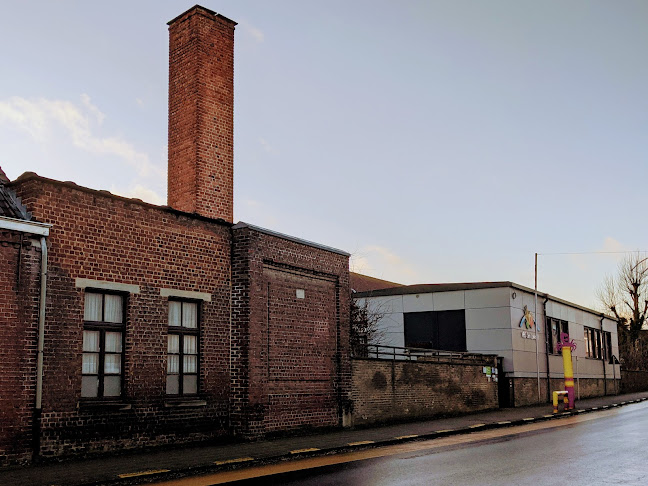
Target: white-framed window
[[103, 345], [182, 347]]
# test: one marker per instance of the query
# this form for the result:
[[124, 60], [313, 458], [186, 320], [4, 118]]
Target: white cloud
[[381, 262], [139, 101], [254, 32], [85, 99], [40, 117], [266, 146], [138, 191]]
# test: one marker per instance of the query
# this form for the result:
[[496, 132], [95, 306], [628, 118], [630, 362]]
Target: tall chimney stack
[[201, 114]]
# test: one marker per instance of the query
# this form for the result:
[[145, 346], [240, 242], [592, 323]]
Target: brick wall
[[102, 237], [19, 291], [634, 381], [290, 354], [391, 391], [201, 113], [526, 389]]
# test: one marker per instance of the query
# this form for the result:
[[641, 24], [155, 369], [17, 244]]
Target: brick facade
[[19, 283], [279, 362], [291, 350]]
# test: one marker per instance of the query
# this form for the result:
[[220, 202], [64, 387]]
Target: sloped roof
[[365, 283], [10, 205]]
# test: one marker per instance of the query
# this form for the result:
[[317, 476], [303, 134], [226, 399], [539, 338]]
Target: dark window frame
[[181, 332], [102, 327], [561, 326], [598, 344], [429, 324]]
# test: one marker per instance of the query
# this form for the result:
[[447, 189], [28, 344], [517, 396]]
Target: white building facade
[[508, 320]]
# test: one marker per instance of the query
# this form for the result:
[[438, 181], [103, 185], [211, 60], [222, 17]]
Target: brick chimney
[[201, 113]]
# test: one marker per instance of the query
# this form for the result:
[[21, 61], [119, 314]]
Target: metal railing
[[378, 351]]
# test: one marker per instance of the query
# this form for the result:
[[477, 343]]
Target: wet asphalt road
[[612, 449]]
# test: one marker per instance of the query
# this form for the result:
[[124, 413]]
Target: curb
[[243, 462]]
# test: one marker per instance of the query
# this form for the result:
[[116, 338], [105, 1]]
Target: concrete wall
[[391, 391]]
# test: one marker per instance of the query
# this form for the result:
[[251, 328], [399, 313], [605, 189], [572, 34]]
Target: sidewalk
[[167, 463]]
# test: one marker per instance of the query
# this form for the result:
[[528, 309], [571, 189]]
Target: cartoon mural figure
[[527, 319], [567, 346]]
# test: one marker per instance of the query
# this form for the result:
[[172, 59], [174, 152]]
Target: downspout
[[547, 330], [603, 360], [41, 340]]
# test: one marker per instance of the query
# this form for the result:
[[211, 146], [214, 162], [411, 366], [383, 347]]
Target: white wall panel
[[449, 300], [418, 303], [489, 318], [484, 298]]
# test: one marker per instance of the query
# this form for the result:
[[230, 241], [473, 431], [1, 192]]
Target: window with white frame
[[103, 345], [182, 348]]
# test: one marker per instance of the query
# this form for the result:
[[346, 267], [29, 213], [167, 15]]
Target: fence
[[378, 351]]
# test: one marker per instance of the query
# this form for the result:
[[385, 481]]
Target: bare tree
[[365, 325], [625, 295]]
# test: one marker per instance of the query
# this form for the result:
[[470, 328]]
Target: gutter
[[23, 226]]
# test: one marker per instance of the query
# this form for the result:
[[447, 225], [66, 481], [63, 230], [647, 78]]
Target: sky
[[435, 141]]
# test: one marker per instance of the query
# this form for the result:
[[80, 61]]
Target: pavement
[[162, 464]]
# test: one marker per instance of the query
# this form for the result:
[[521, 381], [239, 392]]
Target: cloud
[[85, 99], [254, 32], [139, 101], [610, 244], [138, 191], [266, 146], [381, 262], [40, 117]]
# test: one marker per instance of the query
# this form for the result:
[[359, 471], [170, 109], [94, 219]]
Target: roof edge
[[242, 225], [451, 287], [28, 176]]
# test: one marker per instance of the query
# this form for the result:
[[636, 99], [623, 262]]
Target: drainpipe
[[547, 335], [41, 340], [603, 361]]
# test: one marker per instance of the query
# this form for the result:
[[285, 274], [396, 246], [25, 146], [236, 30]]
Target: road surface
[[600, 448]]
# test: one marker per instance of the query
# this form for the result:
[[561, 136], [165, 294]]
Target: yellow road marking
[[361, 442], [143, 473], [234, 461], [406, 437], [528, 419], [505, 422], [477, 426], [547, 416], [301, 451], [444, 431]]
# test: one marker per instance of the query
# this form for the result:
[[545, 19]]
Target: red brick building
[[165, 324]]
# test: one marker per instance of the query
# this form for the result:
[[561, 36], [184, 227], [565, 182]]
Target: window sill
[[184, 402], [104, 405]]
